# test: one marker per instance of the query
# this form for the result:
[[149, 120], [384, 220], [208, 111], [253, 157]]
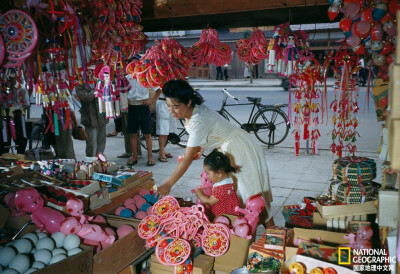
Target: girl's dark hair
[[217, 161], [182, 91]]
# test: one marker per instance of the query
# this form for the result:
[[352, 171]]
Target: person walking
[[219, 73]]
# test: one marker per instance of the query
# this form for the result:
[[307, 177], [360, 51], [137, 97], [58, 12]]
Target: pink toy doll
[[9, 200], [290, 54], [254, 205], [91, 232], [223, 199], [74, 208], [206, 186], [45, 218], [107, 94]]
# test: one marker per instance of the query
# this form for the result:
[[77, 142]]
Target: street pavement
[[291, 177]]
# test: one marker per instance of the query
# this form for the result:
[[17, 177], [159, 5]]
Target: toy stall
[[94, 216]]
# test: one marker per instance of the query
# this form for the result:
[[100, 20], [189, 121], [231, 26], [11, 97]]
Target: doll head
[[255, 204], [104, 74], [74, 207], [28, 200]]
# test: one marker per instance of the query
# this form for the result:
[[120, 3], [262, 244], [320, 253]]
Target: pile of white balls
[[35, 250]]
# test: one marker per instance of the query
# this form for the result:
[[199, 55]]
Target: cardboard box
[[99, 199], [4, 215], [120, 254], [328, 238], [388, 208], [78, 264], [202, 264], [121, 178], [333, 211], [89, 189], [311, 263], [236, 256], [119, 200]]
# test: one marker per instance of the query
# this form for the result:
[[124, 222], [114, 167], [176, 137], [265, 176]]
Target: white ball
[[71, 241], [57, 258], [43, 255], [47, 243], [74, 251], [23, 245], [31, 270], [58, 251], [41, 235], [20, 263], [31, 236], [58, 238], [10, 271], [38, 265], [6, 255]]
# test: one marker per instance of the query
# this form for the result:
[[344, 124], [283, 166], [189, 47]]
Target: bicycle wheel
[[270, 126], [182, 133], [154, 142], [36, 137]]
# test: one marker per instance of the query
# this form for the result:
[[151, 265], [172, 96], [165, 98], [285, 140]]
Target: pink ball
[[132, 207], [119, 209], [129, 201], [98, 219], [222, 220], [124, 230], [144, 192], [139, 201], [140, 214], [238, 221], [149, 210], [242, 230]]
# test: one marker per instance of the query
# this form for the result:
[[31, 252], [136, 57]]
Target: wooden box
[[202, 264], [333, 211]]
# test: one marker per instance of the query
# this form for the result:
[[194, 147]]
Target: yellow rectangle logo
[[345, 252]]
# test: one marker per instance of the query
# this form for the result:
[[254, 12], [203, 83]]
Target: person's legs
[[146, 126], [128, 149], [91, 142], [101, 139], [149, 144], [133, 137], [162, 141], [132, 131]]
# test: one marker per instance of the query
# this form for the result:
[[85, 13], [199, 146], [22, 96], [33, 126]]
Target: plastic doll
[[223, 199], [91, 232], [107, 94], [45, 218], [74, 207], [206, 186]]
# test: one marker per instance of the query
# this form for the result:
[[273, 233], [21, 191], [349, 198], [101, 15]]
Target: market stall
[[94, 216]]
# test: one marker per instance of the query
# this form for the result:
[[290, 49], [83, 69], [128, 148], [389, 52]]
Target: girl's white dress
[[208, 129]]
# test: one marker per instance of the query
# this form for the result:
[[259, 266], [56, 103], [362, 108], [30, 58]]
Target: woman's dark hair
[[182, 91], [217, 161]]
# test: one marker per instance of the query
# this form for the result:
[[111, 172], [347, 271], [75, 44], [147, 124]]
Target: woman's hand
[[163, 190]]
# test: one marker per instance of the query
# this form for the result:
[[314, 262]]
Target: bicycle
[[269, 123], [180, 138]]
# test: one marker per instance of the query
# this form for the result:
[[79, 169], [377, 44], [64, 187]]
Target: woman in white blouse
[[207, 129]]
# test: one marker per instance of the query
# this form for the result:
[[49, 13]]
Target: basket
[[354, 170], [291, 214], [354, 194]]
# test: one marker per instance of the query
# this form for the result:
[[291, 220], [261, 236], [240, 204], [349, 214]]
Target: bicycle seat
[[254, 100]]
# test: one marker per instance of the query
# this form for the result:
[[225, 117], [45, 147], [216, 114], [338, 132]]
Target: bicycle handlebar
[[227, 94]]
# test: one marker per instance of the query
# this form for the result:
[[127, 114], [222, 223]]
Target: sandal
[[131, 162], [164, 159], [112, 134], [150, 163], [169, 155]]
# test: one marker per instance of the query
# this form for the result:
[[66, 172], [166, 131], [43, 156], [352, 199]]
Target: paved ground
[[292, 178]]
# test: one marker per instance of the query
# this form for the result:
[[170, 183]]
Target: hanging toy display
[[116, 33], [252, 50], [108, 97], [309, 101], [345, 104], [274, 46], [164, 61], [369, 28], [209, 50], [176, 231]]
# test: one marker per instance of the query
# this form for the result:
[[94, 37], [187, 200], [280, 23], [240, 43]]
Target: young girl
[[223, 199]]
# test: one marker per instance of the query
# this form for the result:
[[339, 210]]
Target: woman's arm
[[165, 188], [207, 200]]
